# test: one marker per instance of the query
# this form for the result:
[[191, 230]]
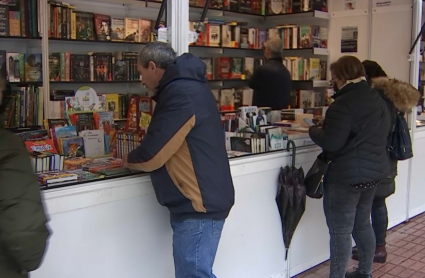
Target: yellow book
[[113, 104]]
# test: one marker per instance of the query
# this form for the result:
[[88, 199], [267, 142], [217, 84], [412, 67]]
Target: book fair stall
[[76, 100]]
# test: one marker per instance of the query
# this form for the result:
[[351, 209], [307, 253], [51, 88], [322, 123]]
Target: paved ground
[[406, 259]]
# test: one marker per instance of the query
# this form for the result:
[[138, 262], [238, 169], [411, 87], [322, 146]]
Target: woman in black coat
[[354, 139], [399, 96]]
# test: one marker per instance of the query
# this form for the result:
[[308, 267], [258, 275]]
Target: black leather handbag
[[314, 179]]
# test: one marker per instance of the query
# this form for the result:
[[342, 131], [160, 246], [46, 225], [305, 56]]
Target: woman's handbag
[[314, 179]]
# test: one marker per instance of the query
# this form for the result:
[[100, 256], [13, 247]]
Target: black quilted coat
[[399, 96], [354, 135]]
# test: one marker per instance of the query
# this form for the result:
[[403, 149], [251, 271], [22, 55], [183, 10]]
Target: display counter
[[116, 228], [417, 174]]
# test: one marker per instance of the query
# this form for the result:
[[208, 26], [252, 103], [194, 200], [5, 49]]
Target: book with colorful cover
[[104, 120], [103, 27], [85, 175], [41, 146], [65, 131], [56, 176], [34, 135], [74, 163], [72, 146]]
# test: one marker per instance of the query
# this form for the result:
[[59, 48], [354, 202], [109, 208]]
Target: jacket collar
[[348, 85], [278, 59]]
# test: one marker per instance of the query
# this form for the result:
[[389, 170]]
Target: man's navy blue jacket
[[184, 147]]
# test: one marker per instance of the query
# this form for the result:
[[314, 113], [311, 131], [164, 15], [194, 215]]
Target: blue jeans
[[347, 211], [195, 243]]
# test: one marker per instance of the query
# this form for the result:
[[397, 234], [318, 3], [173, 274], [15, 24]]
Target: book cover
[[102, 67], [56, 177], [34, 135], [85, 28], [227, 100], [120, 70], [4, 20], [94, 142], [113, 104], [54, 67], [237, 68], [13, 67], [80, 67], [41, 146], [103, 27], [145, 27], [118, 29], [104, 120], [131, 29], [33, 68], [213, 34], [209, 67], [73, 146], [65, 131], [305, 37], [3, 58]]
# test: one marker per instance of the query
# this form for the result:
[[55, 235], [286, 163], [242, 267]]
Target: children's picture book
[[65, 131], [73, 146], [41, 146], [34, 135], [104, 120], [85, 100]]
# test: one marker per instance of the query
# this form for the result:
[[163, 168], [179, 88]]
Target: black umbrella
[[291, 198]]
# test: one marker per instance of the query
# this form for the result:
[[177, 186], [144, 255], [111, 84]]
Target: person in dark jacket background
[[271, 82], [400, 97], [184, 149], [23, 230], [354, 139]]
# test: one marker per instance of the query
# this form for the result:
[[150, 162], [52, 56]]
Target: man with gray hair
[[184, 149], [272, 81]]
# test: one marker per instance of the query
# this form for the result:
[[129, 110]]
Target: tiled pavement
[[406, 254]]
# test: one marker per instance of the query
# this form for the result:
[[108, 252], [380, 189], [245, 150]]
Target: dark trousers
[[347, 210], [380, 220]]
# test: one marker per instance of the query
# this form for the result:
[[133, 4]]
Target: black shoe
[[356, 274]]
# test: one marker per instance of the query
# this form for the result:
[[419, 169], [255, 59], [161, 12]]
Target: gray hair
[[162, 54]]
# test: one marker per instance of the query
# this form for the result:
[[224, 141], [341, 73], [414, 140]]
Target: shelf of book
[[19, 38], [286, 52], [313, 16], [296, 83], [95, 41], [85, 181], [95, 82]]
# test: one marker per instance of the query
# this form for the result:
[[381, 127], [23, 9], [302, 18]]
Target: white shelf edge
[[322, 15], [321, 51], [320, 83]]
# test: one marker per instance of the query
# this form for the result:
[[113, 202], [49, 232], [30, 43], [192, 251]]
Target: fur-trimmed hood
[[403, 95]]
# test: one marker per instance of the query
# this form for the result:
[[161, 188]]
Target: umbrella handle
[[294, 150]]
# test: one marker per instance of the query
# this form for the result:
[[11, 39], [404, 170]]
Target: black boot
[[356, 274], [380, 254]]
